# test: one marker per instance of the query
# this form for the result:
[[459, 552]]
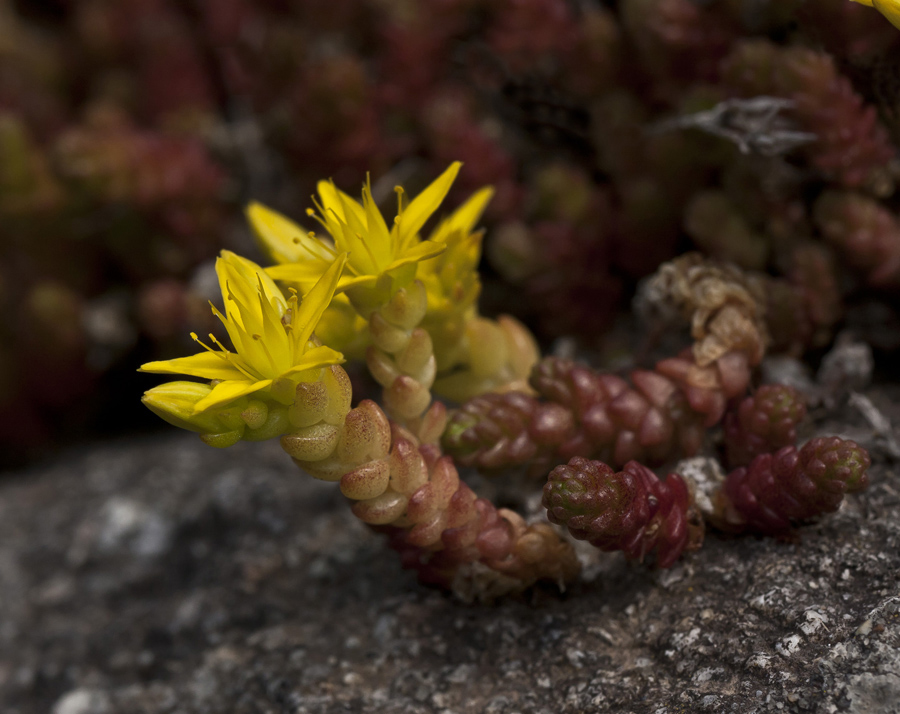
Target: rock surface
[[163, 576]]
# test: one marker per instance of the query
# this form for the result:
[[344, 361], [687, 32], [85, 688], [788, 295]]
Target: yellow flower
[[355, 228], [889, 8], [175, 402], [272, 337], [451, 278]]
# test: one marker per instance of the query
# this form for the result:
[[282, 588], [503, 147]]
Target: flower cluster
[[280, 380], [415, 311]]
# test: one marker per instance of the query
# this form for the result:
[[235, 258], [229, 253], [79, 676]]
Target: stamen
[[222, 318], [218, 344], [324, 244], [310, 234], [320, 216], [197, 340], [289, 313], [288, 316], [224, 354], [207, 347], [232, 359]]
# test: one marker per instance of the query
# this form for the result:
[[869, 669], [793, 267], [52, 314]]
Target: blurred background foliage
[[617, 135]]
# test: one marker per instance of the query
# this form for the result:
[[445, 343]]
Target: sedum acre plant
[[410, 305]]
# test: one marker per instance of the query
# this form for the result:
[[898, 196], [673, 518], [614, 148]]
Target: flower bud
[[175, 401]]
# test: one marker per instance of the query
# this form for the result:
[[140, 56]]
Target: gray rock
[[162, 576], [82, 701]]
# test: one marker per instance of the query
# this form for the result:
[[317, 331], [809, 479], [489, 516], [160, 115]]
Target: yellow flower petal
[[225, 392], [235, 332], [274, 338], [333, 199], [422, 206], [315, 301], [379, 238], [240, 281], [282, 240], [464, 218], [207, 365], [305, 274], [316, 357], [355, 237], [421, 251], [890, 9]]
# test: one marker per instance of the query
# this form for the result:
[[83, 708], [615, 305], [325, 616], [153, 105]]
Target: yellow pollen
[[401, 194], [206, 347], [218, 344]]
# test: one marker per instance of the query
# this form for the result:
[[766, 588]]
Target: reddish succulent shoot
[[790, 486], [632, 510], [763, 423], [662, 414]]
